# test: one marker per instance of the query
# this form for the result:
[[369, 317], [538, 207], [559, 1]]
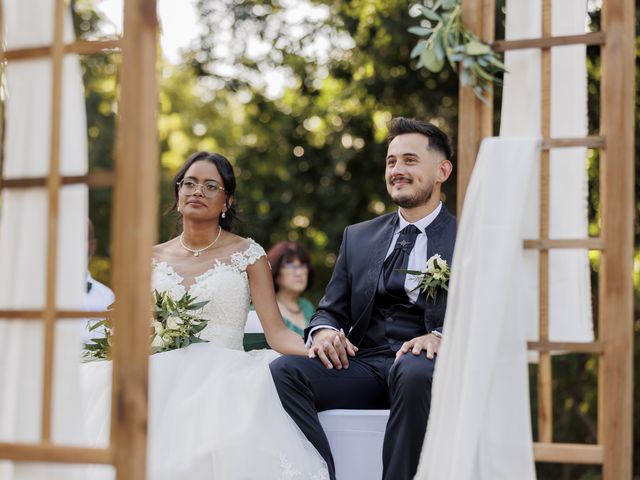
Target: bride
[[214, 413]]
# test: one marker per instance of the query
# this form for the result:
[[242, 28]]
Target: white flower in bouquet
[[158, 342], [174, 322]]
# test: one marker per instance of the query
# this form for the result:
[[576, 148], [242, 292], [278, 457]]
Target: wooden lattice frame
[[134, 234], [615, 343]]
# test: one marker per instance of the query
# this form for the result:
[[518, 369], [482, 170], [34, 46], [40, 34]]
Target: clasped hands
[[333, 348]]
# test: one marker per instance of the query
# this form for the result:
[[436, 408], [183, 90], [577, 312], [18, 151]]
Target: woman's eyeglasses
[[208, 189], [294, 266]]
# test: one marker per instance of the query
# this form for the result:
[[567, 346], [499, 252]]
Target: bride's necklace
[[197, 251]]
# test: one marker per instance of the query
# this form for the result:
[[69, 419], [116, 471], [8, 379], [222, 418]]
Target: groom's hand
[[428, 342], [332, 348]]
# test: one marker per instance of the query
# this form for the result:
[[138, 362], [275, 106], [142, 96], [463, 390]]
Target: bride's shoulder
[[246, 251], [162, 250]]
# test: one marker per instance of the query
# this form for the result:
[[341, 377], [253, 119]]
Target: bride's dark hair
[[228, 182]]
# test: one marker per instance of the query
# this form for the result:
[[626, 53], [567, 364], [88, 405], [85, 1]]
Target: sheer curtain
[[23, 240], [569, 277], [479, 427]]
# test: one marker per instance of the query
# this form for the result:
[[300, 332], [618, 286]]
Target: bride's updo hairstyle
[[228, 182]]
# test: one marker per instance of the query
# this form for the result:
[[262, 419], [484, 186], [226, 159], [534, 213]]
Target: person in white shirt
[[97, 296]]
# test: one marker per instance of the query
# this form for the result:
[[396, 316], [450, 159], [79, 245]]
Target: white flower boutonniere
[[434, 277]]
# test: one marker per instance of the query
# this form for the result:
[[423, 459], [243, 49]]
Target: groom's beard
[[414, 200]]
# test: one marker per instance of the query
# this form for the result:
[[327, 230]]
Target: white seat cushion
[[356, 437]]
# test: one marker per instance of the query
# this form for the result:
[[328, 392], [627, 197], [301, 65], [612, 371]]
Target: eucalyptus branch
[[446, 40]]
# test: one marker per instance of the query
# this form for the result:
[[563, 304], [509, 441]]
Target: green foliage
[[446, 39], [309, 159]]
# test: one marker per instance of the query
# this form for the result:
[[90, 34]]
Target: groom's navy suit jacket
[[350, 294]]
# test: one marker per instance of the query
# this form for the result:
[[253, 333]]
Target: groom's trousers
[[372, 381]]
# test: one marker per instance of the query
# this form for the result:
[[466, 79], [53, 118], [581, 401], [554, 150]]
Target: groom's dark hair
[[438, 140]]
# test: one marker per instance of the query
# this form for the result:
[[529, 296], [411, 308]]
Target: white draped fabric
[[569, 278], [479, 426], [23, 241]]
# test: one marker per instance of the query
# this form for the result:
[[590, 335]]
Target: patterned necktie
[[398, 260]]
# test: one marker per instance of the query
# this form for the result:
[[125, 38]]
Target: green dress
[[257, 341]]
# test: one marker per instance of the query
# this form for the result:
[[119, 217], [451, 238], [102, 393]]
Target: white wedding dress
[[214, 413]]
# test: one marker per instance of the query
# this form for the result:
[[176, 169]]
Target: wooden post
[[475, 119], [135, 229], [615, 386], [545, 393], [53, 191]]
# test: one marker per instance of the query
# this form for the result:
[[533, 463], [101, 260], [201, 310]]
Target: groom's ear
[[445, 167]]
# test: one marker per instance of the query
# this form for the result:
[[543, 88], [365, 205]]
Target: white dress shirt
[[417, 257]]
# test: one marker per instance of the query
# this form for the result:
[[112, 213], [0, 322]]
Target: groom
[[387, 357]]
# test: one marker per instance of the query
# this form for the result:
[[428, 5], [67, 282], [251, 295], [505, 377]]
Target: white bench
[[355, 436]]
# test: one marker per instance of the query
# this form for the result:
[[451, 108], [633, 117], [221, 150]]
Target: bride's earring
[[224, 215]]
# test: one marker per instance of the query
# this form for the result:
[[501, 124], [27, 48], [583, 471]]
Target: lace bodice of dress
[[224, 284]]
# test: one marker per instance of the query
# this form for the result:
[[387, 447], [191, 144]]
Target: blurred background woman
[[292, 276]]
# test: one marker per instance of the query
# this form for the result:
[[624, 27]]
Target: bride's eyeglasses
[[208, 189]]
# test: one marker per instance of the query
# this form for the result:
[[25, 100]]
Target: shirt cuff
[[314, 329]]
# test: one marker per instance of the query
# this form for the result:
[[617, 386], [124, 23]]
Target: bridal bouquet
[[175, 324], [434, 277]]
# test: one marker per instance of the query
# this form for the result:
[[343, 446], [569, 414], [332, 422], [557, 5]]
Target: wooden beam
[[58, 314], [53, 190], [569, 347], [475, 118], [134, 233], [564, 243], [615, 305], [545, 384], [568, 453], [589, 142], [593, 38], [95, 179], [47, 452], [80, 47]]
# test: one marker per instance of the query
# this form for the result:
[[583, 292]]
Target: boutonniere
[[434, 277]]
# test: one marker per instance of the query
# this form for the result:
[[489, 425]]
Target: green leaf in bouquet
[[430, 60], [438, 47], [418, 48], [430, 14], [496, 61], [197, 328], [477, 48], [420, 31], [197, 305], [101, 323]]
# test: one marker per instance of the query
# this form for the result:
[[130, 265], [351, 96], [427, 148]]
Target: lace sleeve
[[250, 255]]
